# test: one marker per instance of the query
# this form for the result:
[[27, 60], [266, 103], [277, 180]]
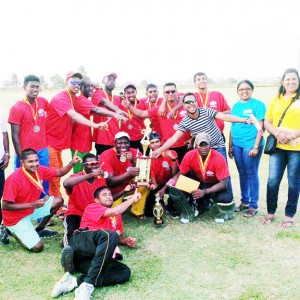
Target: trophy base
[[142, 184], [158, 222]]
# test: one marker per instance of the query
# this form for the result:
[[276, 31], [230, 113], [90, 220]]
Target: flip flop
[[286, 224], [267, 220], [250, 213], [241, 207]]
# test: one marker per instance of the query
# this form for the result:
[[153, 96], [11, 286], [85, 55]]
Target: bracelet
[[71, 164]]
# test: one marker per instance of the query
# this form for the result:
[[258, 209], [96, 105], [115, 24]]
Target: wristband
[[71, 164], [256, 147]]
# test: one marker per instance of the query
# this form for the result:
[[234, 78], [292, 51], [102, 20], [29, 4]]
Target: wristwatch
[[256, 147]]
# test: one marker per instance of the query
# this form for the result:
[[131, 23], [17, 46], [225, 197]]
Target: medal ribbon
[[203, 166], [150, 106], [71, 99], [170, 109], [206, 98], [37, 183], [112, 96], [34, 113], [130, 114]]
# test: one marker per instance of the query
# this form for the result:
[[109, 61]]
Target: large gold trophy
[[144, 162]]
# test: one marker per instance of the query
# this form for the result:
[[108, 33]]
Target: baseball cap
[[72, 73], [122, 134], [154, 135], [129, 84], [202, 137], [111, 74]]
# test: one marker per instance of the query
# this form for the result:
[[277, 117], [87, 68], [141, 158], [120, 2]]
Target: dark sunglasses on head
[[189, 101], [170, 92], [74, 82], [91, 163]]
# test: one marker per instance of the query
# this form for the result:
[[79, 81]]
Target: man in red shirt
[[152, 100], [94, 245], [80, 188], [168, 126], [162, 169], [210, 168], [28, 123], [25, 200], [60, 116], [211, 99], [105, 98], [81, 140], [120, 163], [134, 125]]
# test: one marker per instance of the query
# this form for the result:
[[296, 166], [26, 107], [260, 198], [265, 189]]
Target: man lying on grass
[[93, 246], [25, 200]]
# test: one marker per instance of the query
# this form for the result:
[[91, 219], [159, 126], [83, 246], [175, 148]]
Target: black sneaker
[[4, 236], [66, 259], [47, 233]]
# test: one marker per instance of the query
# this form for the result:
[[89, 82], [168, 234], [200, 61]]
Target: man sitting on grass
[[94, 245], [25, 200]]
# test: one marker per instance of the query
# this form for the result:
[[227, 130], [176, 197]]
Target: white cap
[[122, 134]]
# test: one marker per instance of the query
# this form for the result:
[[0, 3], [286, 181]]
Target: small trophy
[[158, 211], [144, 162]]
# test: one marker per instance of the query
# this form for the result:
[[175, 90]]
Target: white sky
[[154, 40]]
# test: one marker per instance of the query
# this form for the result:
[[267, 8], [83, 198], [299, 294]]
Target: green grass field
[[241, 259]]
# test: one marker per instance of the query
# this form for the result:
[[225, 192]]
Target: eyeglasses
[[189, 101], [170, 92], [245, 89], [91, 163], [74, 82]]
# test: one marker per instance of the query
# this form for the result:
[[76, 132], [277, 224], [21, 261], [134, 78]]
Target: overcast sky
[[154, 40]]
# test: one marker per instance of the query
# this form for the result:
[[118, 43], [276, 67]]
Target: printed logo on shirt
[[182, 114], [247, 112], [213, 104], [41, 112], [210, 174], [166, 165]]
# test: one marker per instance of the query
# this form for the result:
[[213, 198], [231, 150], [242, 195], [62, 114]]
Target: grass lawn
[[241, 259]]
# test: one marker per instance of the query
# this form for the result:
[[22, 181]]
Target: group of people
[[186, 139]]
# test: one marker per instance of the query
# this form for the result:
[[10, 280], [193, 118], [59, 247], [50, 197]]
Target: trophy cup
[[144, 162], [158, 211]]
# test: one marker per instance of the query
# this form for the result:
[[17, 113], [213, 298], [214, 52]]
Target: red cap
[[71, 74]]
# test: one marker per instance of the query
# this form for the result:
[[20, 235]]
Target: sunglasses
[[189, 101], [170, 92], [74, 82], [91, 163]]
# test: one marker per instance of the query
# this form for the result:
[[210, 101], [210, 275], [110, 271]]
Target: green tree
[[57, 82], [44, 83], [15, 80]]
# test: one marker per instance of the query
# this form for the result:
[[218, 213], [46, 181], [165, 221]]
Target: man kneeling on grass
[[94, 246], [25, 200]]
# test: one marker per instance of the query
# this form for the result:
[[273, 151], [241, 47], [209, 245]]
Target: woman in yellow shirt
[[287, 149]]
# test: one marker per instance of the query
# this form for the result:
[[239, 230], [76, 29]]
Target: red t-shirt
[[81, 134], [19, 189], [134, 125], [145, 104], [92, 218], [216, 169], [169, 126], [58, 123], [105, 137], [217, 101], [82, 195], [21, 114], [114, 166], [161, 168]]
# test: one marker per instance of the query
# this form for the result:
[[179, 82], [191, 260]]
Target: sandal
[[286, 224], [267, 220], [140, 217], [251, 212], [241, 207]]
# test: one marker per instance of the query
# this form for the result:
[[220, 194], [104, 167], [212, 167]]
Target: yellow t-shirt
[[291, 121]]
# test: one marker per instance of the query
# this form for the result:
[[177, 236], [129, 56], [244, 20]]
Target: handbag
[[270, 146], [271, 142]]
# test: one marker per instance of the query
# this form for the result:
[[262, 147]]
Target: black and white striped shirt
[[204, 123]]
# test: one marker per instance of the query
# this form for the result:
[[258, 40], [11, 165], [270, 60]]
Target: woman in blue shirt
[[246, 146]]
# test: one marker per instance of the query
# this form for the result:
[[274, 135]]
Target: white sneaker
[[84, 291], [66, 284]]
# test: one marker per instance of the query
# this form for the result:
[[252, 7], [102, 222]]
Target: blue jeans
[[248, 173], [277, 164], [43, 160]]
